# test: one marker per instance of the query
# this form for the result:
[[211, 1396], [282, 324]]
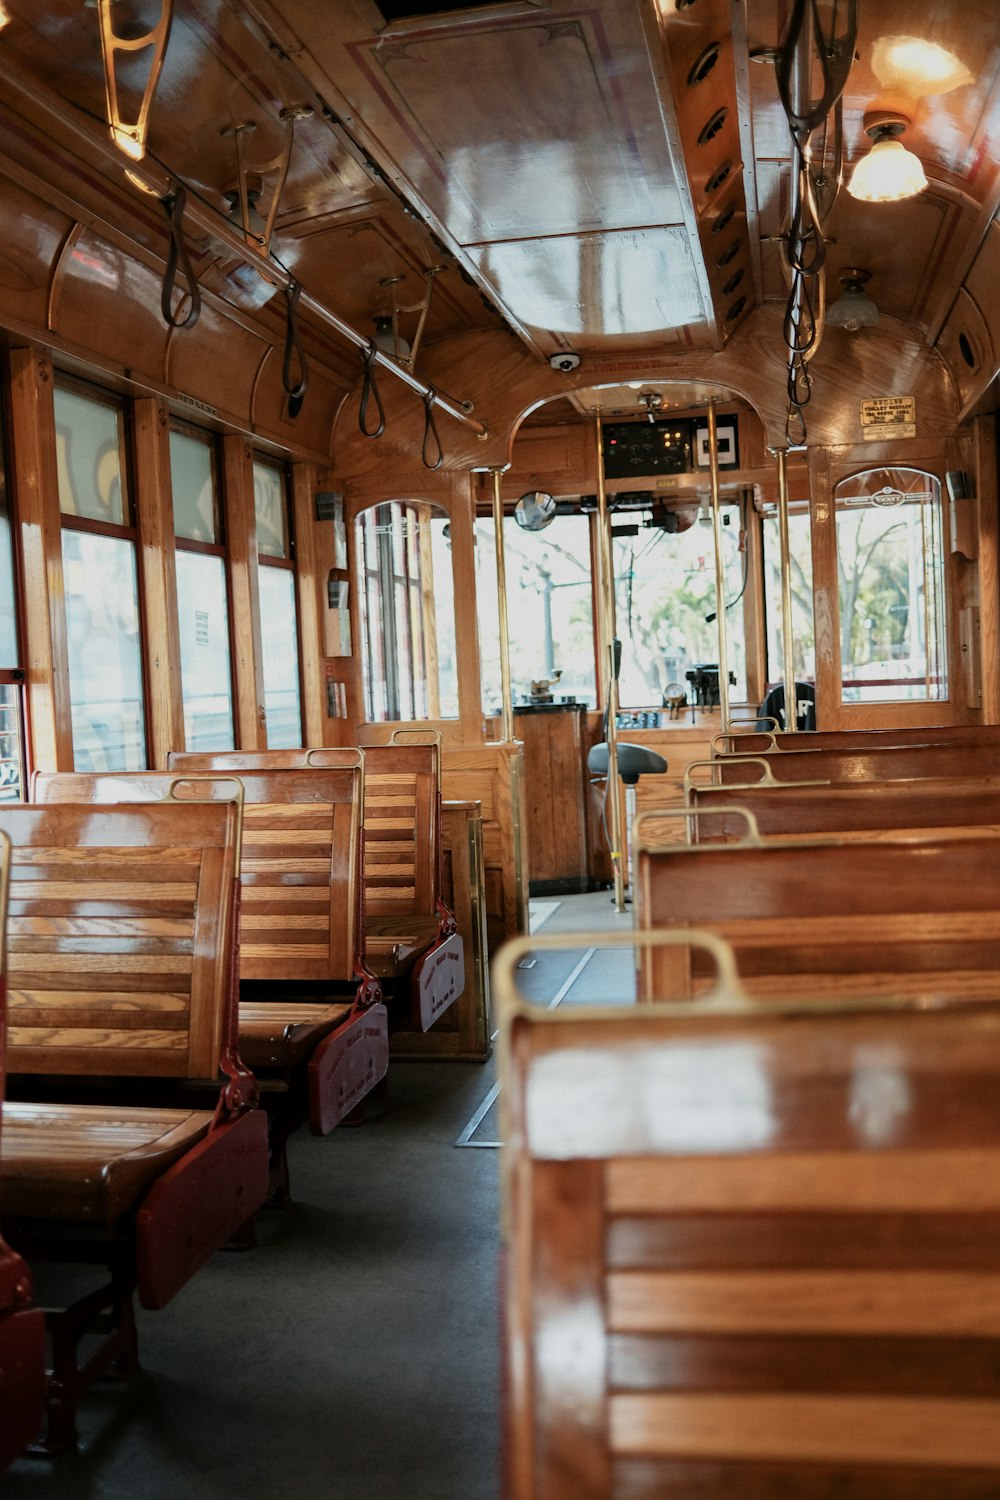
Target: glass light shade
[[399, 349], [852, 310], [887, 174]]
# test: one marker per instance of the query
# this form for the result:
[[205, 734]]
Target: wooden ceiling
[[609, 178]]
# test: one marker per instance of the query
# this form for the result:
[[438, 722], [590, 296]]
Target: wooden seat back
[[732, 742], [402, 816], [300, 864], [750, 1253], [864, 810], [121, 938], [22, 1327], [827, 917], [883, 763]]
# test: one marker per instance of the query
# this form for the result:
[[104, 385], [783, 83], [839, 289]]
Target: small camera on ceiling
[[564, 361]]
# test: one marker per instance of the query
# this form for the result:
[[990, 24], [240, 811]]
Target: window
[[278, 616], [550, 614], [202, 599], [664, 595], [890, 566], [407, 609], [100, 583]]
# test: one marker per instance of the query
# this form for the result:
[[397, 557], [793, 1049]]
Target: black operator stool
[[633, 761]]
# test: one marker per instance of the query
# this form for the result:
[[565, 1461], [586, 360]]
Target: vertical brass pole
[[606, 596], [506, 701], [720, 577], [787, 645]]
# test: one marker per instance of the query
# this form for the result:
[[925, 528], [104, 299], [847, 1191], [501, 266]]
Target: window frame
[[126, 531], [288, 563]]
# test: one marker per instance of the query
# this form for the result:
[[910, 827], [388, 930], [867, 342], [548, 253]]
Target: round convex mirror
[[535, 510]]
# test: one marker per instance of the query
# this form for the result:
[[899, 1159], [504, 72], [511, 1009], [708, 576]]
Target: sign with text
[[886, 417]]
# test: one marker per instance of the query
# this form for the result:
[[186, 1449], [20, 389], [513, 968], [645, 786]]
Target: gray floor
[[354, 1352]]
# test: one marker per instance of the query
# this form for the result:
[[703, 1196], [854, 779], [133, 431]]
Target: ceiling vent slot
[[968, 351], [718, 177], [728, 255], [733, 282], [726, 217], [703, 65], [711, 127], [733, 312]]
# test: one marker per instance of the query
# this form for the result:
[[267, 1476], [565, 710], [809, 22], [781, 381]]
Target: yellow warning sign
[[886, 417]]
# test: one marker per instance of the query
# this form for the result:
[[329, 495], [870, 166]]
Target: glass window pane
[[88, 458], [890, 565], [550, 617], [105, 672], [192, 476], [803, 631], [206, 681], [11, 743], [664, 592], [270, 509], [410, 656], [279, 634]]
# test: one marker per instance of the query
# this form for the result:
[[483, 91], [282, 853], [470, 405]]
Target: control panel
[[670, 445]]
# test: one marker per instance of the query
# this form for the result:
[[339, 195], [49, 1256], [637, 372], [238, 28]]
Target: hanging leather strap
[[178, 261], [370, 391], [294, 390], [431, 433]]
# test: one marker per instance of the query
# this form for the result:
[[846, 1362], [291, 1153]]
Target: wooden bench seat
[[299, 932], [750, 1252], [89, 1164], [882, 763], [863, 810], [410, 937], [22, 1326], [122, 970], [733, 742], [917, 916], [279, 1034]]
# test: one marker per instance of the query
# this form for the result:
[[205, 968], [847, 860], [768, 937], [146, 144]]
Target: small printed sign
[[886, 417], [201, 627]]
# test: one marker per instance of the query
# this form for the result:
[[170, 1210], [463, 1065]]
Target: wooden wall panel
[[310, 579], [108, 302], [33, 233], [154, 505], [241, 535], [36, 491]]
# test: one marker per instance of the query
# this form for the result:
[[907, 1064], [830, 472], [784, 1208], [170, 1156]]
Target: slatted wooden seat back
[[883, 763], [750, 743], [402, 815], [823, 918], [300, 862], [863, 810], [402, 830], [114, 962], [22, 1327], [751, 1255]]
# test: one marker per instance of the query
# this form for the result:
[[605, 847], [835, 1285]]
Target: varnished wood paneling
[[244, 596], [154, 503], [33, 460], [965, 1434], [310, 584]]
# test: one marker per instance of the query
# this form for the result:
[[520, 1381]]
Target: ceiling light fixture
[[889, 173], [852, 309], [387, 341]]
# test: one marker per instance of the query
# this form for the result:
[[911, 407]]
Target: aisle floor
[[354, 1352]]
